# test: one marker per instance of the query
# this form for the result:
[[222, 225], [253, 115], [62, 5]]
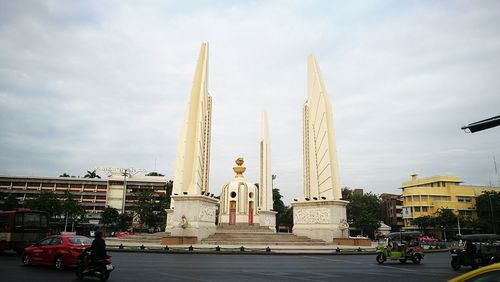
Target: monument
[[193, 209], [267, 216], [238, 200], [320, 214], [242, 203]]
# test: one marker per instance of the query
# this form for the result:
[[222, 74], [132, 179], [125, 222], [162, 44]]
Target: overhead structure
[[321, 214], [192, 212], [482, 124]]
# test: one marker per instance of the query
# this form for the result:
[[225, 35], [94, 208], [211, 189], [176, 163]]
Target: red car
[[56, 250]]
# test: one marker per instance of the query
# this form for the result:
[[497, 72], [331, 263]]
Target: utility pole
[[125, 172], [492, 215]]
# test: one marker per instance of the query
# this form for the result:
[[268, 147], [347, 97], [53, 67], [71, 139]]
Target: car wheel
[[380, 258], [27, 260], [59, 262], [416, 259]]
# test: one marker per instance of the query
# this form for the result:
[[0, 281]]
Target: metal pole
[[492, 216], [458, 222], [124, 190]]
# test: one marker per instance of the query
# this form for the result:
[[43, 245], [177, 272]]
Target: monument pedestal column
[[268, 219], [192, 216], [324, 219]]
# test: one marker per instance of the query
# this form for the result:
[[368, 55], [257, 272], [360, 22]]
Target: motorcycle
[[100, 268]]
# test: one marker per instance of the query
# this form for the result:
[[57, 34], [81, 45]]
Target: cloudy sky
[[105, 83]]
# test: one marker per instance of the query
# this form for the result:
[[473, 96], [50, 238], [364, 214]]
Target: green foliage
[[154, 173], [64, 175], [109, 217], [445, 218], [278, 205], [124, 220], [46, 201], [488, 211], [424, 222], [9, 202], [284, 214], [91, 174], [72, 209], [363, 211], [146, 207]]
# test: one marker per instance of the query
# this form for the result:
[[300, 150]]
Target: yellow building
[[426, 196]]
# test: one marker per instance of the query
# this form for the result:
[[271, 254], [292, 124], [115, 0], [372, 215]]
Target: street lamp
[[492, 216]]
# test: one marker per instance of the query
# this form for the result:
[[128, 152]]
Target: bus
[[22, 227]]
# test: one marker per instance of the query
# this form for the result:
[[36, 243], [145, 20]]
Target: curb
[[250, 251]]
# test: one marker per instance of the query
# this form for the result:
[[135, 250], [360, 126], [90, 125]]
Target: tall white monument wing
[[265, 185], [321, 173], [193, 150]]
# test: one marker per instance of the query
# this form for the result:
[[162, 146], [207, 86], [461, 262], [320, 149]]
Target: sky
[[86, 84]]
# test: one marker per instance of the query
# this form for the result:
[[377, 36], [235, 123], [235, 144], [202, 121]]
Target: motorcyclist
[[97, 250]]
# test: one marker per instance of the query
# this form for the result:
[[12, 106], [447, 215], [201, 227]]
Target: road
[[205, 267]]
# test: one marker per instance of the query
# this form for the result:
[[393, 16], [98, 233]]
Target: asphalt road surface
[[205, 267]]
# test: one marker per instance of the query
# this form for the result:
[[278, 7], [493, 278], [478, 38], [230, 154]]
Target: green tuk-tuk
[[400, 246]]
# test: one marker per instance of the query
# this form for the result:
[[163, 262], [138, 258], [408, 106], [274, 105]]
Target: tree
[[110, 216], [72, 210], [364, 211], [424, 222], [46, 201], [488, 212], [284, 214], [123, 221], [154, 173], [9, 203], [145, 206], [445, 219], [64, 175], [163, 204], [91, 174]]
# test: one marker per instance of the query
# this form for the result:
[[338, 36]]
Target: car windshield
[[80, 240]]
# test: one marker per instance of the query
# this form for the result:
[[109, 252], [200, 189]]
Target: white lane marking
[[185, 278], [392, 267], [355, 262], [337, 260], [286, 277]]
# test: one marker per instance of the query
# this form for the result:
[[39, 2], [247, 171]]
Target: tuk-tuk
[[400, 246], [476, 250]]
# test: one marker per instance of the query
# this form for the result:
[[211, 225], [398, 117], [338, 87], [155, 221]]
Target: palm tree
[[91, 174]]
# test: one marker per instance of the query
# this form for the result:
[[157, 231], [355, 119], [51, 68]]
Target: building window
[[425, 209], [462, 199], [416, 209], [465, 213]]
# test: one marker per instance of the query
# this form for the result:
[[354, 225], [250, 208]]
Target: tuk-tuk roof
[[480, 237], [413, 234]]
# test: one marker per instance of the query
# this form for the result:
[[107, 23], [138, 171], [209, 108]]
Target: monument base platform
[[323, 219], [268, 219], [192, 216]]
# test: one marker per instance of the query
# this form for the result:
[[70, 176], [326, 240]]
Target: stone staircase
[[226, 235], [143, 238], [242, 237]]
